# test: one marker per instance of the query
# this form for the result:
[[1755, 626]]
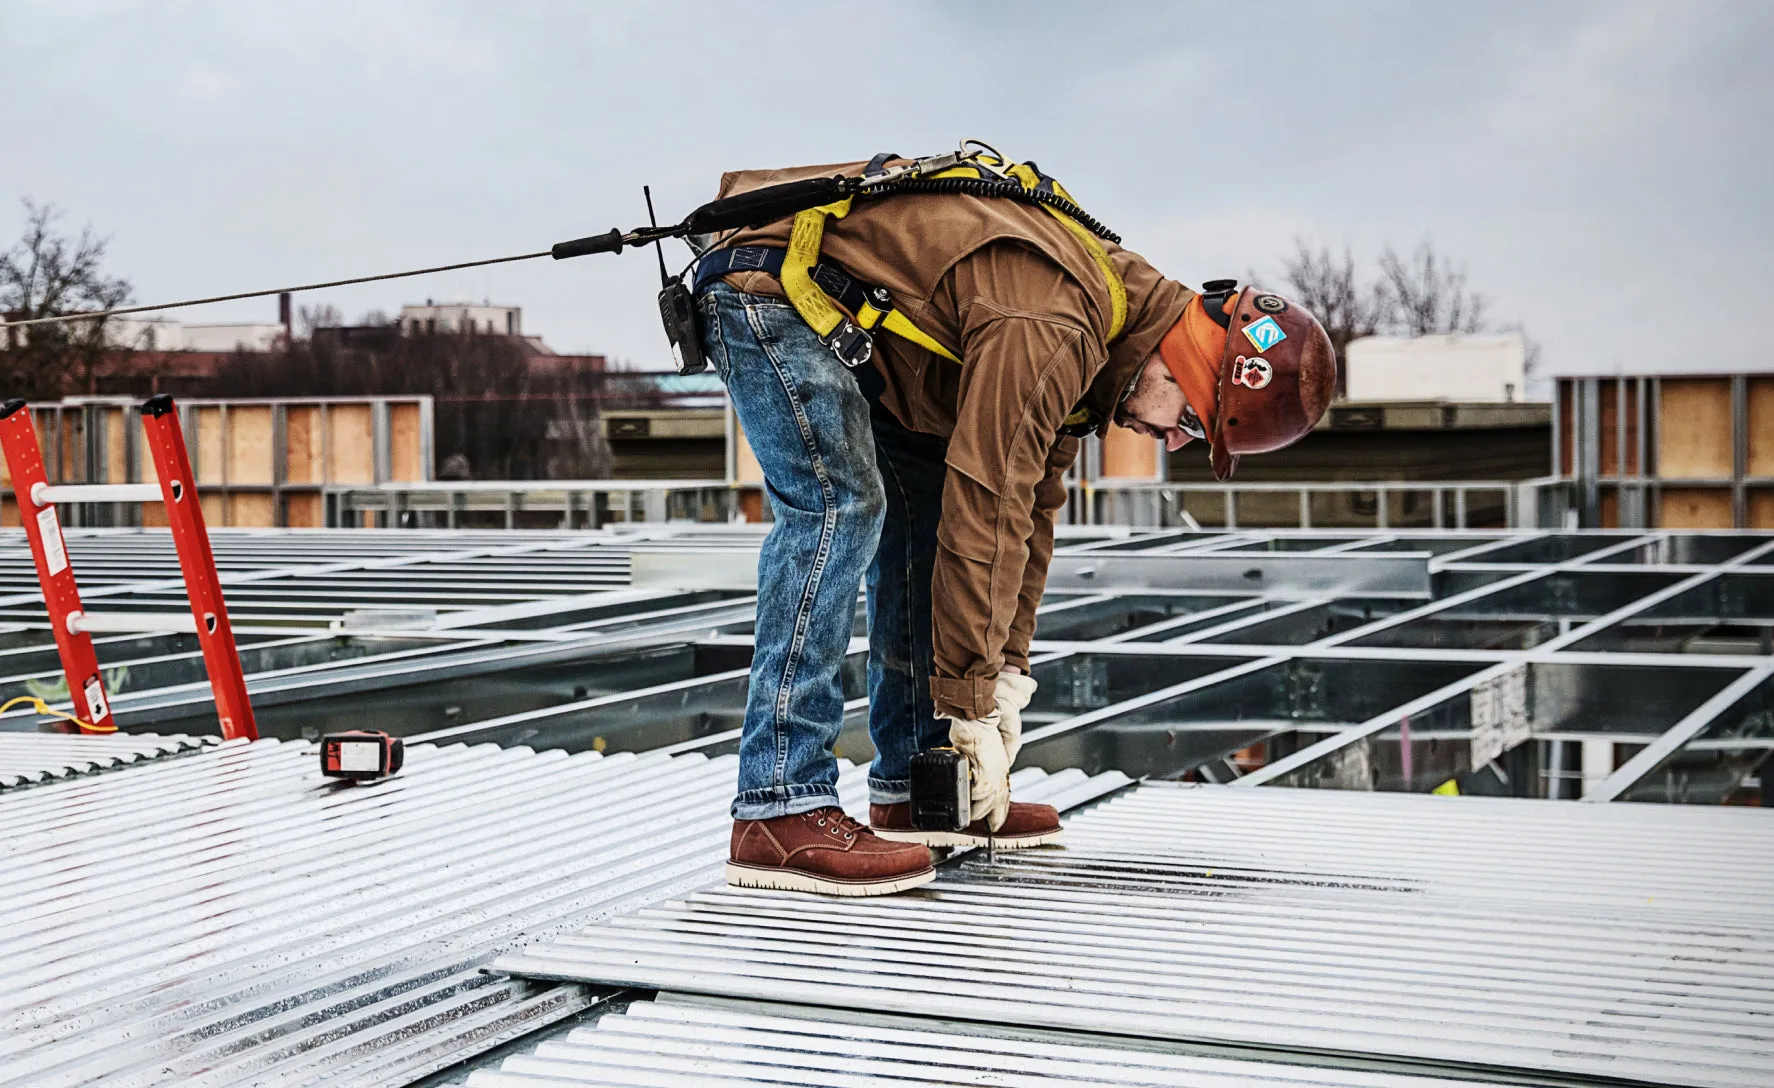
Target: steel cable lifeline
[[743, 210]]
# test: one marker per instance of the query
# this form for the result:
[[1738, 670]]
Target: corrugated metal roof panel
[[1588, 940], [29, 758], [234, 917], [675, 1040]]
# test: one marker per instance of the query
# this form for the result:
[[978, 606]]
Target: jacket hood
[[1154, 304]]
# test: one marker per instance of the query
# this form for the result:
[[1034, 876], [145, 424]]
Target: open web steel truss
[[1595, 665]]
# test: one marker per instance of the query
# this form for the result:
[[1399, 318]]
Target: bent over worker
[[913, 373]]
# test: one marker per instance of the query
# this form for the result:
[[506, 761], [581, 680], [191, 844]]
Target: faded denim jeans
[[810, 426]]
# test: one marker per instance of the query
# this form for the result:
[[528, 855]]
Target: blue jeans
[[810, 426], [902, 719]]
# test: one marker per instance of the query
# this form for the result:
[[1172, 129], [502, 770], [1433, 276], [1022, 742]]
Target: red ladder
[[72, 624]]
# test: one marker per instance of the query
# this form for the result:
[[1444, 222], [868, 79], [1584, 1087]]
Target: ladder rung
[[126, 623], [44, 494]]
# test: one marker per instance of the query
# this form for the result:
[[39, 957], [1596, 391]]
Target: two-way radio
[[677, 308]]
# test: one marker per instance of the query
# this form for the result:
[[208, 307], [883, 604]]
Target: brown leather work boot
[[823, 851], [1026, 825]]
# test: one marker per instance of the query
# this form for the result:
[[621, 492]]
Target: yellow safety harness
[[822, 313]]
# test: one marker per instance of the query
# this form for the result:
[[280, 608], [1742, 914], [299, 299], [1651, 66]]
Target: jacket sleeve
[[1050, 495], [1023, 372]]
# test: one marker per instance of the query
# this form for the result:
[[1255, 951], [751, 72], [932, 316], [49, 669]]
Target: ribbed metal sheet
[[1620, 941], [28, 758], [687, 1041], [233, 917]]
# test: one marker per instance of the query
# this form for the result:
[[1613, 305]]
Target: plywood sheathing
[[251, 459], [353, 446], [251, 510], [1695, 508], [303, 510], [1760, 456], [117, 422], [1129, 455], [209, 447], [406, 445], [304, 446], [1694, 431], [1761, 509], [73, 447]]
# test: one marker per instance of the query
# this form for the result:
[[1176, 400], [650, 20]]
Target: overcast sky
[[1598, 167]]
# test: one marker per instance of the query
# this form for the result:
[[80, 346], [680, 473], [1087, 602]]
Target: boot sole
[[962, 838], [791, 880]]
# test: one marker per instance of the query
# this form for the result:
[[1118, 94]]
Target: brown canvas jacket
[[1016, 296]]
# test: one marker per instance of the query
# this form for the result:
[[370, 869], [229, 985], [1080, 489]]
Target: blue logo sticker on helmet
[[1265, 334]]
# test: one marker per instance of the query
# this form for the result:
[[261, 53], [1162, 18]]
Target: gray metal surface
[[233, 917], [30, 758], [1626, 942], [683, 1040], [1308, 653], [1280, 576]]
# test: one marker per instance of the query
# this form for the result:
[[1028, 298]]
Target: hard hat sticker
[[1270, 304], [1265, 333], [1252, 373]]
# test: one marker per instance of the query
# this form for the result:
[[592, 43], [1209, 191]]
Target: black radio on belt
[[941, 791], [677, 311]]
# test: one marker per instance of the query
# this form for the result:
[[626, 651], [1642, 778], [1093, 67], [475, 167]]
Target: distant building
[[462, 317], [1466, 369], [162, 334], [250, 337]]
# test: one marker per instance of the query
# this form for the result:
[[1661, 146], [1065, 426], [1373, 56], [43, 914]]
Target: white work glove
[[980, 742], [1013, 693]]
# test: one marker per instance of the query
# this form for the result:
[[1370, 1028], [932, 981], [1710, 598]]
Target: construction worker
[[1002, 331]]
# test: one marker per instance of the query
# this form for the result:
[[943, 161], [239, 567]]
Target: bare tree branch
[[1328, 286], [1429, 294], [46, 274]]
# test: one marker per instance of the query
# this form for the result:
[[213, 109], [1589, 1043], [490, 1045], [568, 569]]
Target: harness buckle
[[851, 344]]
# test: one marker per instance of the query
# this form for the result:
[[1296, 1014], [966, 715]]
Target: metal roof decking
[[30, 758], [232, 916], [1645, 655], [681, 1040], [189, 920], [1626, 942]]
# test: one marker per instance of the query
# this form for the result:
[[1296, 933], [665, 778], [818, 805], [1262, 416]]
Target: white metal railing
[[1379, 504], [451, 504], [1544, 502]]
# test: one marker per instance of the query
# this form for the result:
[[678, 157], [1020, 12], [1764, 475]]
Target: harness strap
[[796, 276], [1028, 177], [873, 306], [807, 283]]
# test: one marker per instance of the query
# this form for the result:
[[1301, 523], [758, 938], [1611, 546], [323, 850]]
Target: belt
[[872, 307], [846, 290]]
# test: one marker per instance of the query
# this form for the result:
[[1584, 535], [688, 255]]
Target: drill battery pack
[[941, 790], [361, 755]]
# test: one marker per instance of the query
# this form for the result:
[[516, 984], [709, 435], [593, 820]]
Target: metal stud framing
[[1301, 658]]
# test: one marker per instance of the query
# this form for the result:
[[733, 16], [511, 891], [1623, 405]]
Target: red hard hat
[[1277, 377]]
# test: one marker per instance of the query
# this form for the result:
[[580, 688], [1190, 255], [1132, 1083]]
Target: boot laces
[[837, 822]]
